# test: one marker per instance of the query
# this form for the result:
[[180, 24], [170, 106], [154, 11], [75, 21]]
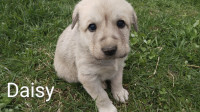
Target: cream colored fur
[[79, 58]]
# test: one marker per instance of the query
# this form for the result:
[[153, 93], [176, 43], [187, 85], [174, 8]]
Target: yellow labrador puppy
[[93, 48]]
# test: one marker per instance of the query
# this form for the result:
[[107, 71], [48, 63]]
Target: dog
[[93, 49]]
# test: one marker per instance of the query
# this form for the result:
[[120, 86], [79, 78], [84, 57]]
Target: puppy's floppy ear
[[134, 21], [75, 16]]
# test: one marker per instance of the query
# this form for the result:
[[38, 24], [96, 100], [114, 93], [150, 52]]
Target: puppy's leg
[[119, 93], [65, 72], [93, 86]]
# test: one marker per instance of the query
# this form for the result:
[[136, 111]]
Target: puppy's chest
[[107, 70], [107, 73]]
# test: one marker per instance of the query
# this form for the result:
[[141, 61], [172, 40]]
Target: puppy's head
[[104, 26]]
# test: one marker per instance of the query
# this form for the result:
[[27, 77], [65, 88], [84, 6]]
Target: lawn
[[162, 71]]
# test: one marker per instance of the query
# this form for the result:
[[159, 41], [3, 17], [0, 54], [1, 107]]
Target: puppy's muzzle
[[109, 51]]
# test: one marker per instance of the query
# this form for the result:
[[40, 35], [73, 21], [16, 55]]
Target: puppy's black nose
[[109, 51]]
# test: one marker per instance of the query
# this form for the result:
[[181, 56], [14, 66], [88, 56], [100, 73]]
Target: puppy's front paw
[[108, 108], [121, 95]]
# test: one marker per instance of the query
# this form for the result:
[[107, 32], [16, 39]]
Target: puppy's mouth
[[110, 57], [123, 56]]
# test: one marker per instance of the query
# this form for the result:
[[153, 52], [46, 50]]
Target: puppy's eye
[[92, 27], [121, 23]]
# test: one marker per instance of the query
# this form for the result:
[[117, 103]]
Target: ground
[[162, 72]]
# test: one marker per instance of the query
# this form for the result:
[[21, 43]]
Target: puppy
[[93, 48]]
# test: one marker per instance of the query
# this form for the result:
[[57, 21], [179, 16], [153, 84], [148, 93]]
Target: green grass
[[169, 31]]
